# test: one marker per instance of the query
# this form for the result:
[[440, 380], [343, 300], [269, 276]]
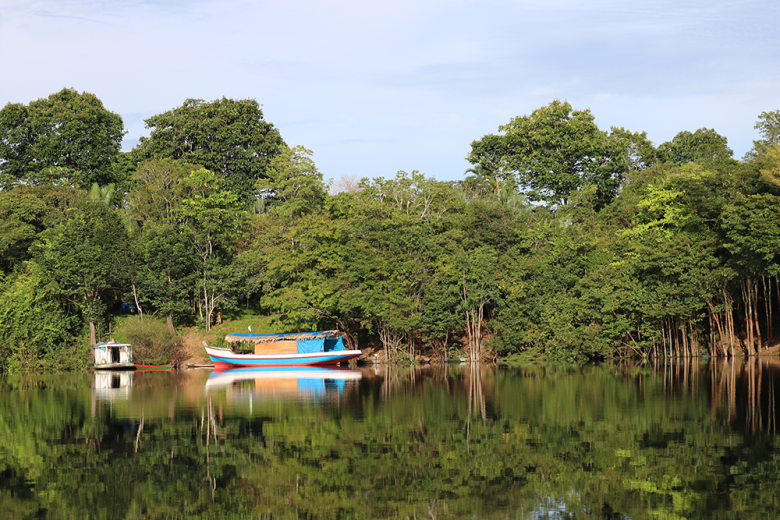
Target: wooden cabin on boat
[[110, 355], [291, 343]]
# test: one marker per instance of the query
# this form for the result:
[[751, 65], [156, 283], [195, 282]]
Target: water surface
[[683, 440]]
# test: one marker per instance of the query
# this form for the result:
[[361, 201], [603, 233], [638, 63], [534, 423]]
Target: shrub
[[153, 343]]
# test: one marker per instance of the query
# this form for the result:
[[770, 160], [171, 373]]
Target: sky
[[376, 87]]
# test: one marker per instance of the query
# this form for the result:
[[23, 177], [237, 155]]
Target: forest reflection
[[682, 439]]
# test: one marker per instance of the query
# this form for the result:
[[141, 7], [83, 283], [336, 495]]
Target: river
[[680, 440]]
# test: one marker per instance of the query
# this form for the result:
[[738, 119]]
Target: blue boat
[[323, 348]]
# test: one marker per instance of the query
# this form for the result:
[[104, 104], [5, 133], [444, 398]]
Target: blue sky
[[376, 87]]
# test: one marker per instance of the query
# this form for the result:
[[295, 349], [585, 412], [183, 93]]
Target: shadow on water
[[685, 440]]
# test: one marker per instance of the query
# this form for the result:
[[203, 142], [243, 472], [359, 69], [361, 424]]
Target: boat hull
[[225, 359], [127, 365]]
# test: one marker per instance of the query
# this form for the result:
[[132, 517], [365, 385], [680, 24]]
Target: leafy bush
[[153, 343]]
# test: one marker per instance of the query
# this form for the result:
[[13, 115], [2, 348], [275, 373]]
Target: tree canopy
[[564, 241], [227, 136], [554, 152], [703, 145], [66, 130]]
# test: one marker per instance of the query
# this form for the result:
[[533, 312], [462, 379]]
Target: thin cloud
[[48, 14]]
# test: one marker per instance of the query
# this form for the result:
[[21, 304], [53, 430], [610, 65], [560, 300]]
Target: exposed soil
[[193, 347]]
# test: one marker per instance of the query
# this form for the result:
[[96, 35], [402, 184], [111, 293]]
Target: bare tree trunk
[[768, 306], [138, 303], [663, 337], [92, 333], [729, 317], [754, 308], [676, 338], [721, 331], [748, 317], [711, 324]]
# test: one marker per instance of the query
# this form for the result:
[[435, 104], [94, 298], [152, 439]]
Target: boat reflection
[[290, 382], [110, 386]]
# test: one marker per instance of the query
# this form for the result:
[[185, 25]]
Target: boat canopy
[[272, 338], [110, 344]]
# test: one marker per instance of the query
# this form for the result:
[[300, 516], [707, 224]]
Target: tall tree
[[213, 221], [703, 145], [490, 157], [25, 212], [294, 184], [556, 151], [67, 129], [83, 256], [227, 136], [768, 125], [639, 150]]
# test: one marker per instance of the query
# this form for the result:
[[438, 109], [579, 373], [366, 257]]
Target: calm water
[[675, 441]]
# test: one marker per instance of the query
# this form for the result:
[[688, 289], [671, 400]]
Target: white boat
[[112, 355], [322, 348]]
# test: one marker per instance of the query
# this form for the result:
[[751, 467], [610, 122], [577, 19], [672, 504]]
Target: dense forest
[[563, 241]]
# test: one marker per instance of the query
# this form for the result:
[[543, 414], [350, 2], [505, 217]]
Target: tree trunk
[[768, 306], [721, 332], [728, 319], [748, 317], [663, 338], [207, 309], [138, 303], [92, 333], [754, 308]]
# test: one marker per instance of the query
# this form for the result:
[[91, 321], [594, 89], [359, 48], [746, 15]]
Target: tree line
[[563, 241]]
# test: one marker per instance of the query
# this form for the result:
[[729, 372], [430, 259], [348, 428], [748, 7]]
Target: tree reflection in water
[[679, 439]]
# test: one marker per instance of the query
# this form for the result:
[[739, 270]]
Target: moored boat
[[321, 348], [112, 355]]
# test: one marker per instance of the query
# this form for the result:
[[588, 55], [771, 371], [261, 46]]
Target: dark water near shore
[[676, 441]]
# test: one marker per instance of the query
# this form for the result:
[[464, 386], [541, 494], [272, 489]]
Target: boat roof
[[110, 344], [288, 336]]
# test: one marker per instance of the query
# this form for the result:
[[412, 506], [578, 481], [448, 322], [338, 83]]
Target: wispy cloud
[[49, 14]]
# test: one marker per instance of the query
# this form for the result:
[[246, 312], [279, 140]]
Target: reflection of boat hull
[[227, 377], [226, 359], [285, 382], [112, 385]]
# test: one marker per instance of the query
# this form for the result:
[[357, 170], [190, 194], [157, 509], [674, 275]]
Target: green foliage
[[294, 183], [158, 189], [639, 150], [212, 222], [768, 126], [227, 136], [702, 146], [36, 329], [25, 212], [635, 247], [153, 342], [66, 130], [83, 258], [553, 153], [491, 157]]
